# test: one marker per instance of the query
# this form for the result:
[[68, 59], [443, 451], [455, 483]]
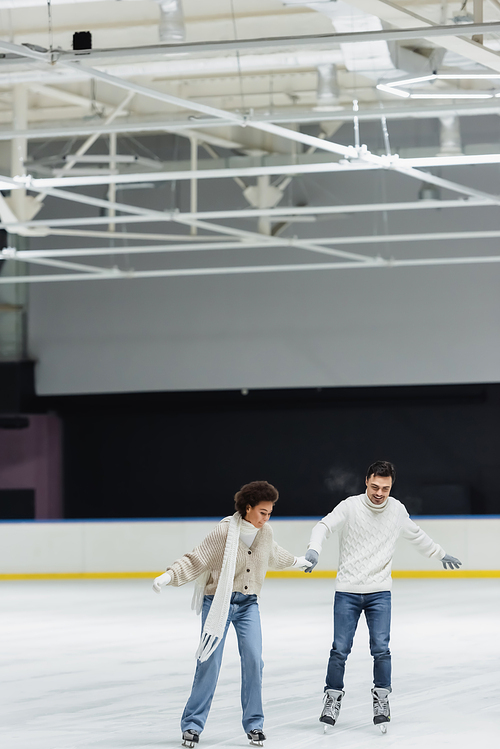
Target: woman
[[229, 567]]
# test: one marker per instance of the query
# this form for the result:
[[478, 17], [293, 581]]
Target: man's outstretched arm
[[426, 546], [331, 522]]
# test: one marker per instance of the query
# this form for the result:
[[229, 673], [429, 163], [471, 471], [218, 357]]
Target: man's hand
[[312, 556], [161, 581], [452, 562]]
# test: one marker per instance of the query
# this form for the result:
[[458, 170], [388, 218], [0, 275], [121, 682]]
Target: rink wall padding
[[144, 548]]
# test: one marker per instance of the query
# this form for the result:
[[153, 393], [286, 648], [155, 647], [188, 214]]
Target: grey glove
[[453, 562], [312, 556]]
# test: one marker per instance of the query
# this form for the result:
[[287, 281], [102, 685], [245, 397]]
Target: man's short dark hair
[[253, 493], [382, 468]]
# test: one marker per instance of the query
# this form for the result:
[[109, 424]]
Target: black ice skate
[[381, 709], [190, 738], [256, 737], [331, 707]]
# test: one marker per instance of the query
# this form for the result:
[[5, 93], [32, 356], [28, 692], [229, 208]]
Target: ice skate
[[190, 738], [257, 737], [381, 708], [331, 707]]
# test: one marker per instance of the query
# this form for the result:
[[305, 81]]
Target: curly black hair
[[254, 493]]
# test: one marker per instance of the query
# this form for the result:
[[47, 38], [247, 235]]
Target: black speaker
[[82, 40]]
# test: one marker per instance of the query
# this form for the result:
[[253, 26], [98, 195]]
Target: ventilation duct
[[371, 59], [172, 28], [449, 136], [328, 87]]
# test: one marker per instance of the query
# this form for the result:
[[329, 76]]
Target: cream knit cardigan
[[251, 563]]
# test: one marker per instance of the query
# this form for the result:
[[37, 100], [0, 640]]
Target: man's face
[[378, 488]]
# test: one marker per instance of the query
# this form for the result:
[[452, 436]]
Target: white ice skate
[[256, 737], [381, 708], [190, 738], [332, 702]]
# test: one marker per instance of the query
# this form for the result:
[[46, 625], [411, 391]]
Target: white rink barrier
[[140, 548]]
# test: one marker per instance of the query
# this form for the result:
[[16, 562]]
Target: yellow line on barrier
[[79, 575], [283, 574]]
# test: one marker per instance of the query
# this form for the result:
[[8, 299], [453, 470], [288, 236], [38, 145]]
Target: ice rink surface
[[109, 664]]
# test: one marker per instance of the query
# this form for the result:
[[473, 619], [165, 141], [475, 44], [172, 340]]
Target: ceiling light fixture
[[396, 91], [454, 95], [394, 87]]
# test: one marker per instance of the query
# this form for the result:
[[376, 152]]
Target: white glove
[[301, 563], [161, 581]]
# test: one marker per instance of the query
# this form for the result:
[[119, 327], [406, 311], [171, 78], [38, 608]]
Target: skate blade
[[189, 744], [383, 727], [256, 743]]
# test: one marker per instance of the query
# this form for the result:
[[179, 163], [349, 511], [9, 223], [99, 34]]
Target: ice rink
[[109, 664]]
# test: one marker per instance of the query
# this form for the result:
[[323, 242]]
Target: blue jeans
[[245, 616], [347, 609]]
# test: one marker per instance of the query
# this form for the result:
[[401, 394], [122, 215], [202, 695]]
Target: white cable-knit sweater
[[367, 539]]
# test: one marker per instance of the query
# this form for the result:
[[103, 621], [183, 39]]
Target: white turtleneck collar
[[373, 507], [248, 532]]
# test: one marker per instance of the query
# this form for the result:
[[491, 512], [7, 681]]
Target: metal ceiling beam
[[12, 254], [83, 129], [313, 167], [325, 210], [323, 145], [363, 155], [117, 274], [242, 45], [256, 212]]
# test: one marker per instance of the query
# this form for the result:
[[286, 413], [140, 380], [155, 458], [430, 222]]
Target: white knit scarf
[[215, 622]]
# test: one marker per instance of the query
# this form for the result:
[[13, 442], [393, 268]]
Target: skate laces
[[332, 705], [380, 705]]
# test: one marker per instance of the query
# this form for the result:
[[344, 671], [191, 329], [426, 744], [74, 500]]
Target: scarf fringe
[[208, 645]]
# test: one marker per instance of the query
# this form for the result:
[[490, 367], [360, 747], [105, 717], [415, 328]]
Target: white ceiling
[[265, 88]]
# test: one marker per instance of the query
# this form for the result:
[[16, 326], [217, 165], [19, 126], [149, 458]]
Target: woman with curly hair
[[229, 567]]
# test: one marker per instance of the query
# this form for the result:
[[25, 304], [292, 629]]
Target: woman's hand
[[161, 581]]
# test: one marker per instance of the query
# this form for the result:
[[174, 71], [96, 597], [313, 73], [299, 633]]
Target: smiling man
[[368, 525]]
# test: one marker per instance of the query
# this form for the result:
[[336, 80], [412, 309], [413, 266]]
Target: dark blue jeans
[[347, 609]]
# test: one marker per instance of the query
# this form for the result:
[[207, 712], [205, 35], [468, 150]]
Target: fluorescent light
[[393, 87], [459, 160], [409, 81], [455, 95], [467, 76], [394, 91]]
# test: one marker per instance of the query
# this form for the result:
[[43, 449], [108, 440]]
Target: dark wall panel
[[185, 454]]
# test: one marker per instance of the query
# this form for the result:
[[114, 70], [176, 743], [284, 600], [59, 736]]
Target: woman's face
[[260, 514]]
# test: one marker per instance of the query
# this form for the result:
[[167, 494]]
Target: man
[[368, 525]]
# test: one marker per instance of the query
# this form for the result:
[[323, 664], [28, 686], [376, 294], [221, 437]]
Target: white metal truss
[[336, 157]]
